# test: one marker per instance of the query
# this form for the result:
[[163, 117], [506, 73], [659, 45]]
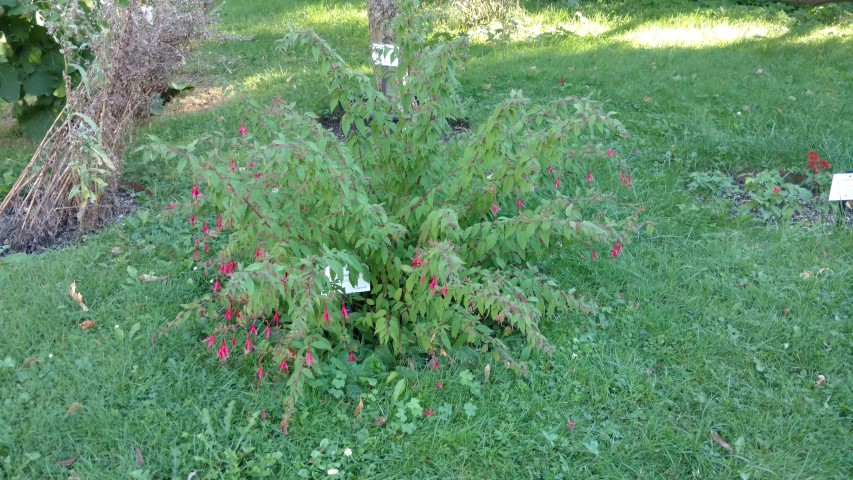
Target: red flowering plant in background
[[819, 172], [449, 233]]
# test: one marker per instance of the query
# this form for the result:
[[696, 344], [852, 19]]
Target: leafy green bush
[[32, 64], [448, 229]]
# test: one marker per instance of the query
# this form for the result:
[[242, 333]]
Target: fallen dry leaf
[[359, 407], [152, 278], [820, 380], [115, 251], [67, 461], [87, 324], [30, 361], [532, 69], [759, 72], [191, 476], [487, 86], [720, 440], [487, 371], [74, 408], [138, 453], [823, 270], [77, 296], [562, 81], [647, 99], [379, 421], [786, 312], [805, 275]]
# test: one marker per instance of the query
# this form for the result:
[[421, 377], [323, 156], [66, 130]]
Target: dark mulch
[[116, 206]]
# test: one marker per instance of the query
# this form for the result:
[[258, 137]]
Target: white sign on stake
[[361, 285], [385, 54], [842, 187]]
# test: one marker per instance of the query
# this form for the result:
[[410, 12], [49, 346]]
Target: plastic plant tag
[[842, 187], [385, 54], [361, 285]]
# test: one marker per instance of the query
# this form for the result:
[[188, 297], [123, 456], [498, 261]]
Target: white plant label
[[385, 54], [361, 285], [842, 187]]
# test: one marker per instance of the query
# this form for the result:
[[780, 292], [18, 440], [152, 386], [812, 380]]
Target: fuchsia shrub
[[447, 228]]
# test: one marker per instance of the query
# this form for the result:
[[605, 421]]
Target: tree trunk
[[379, 16]]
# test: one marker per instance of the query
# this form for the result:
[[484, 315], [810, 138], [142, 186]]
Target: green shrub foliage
[[32, 64], [448, 228]]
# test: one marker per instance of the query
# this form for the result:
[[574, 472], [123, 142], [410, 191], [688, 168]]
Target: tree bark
[[379, 15]]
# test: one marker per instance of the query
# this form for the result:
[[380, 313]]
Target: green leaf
[[398, 390], [41, 82], [10, 86], [36, 121], [470, 409]]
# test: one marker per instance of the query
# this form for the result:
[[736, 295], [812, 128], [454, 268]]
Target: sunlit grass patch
[[696, 32]]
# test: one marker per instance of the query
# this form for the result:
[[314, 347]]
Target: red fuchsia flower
[[628, 181], [223, 353], [433, 284], [233, 341], [219, 222], [195, 254], [557, 183], [195, 193], [439, 385], [233, 166], [260, 372], [243, 131], [216, 286], [824, 164], [252, 329], [192, 220], [283, 365], [344, 311], [551, 169], [495, 208], [416, 261], [210, 341], [610, 153], [171, 206], [776, 189], [616, 251], [308, 358], [326, 317], [571, 425], [228, 314], [435, 365], [248, 345], [206, 248], [428, 412], [590, 178], [444, 291], [267, 332], [422, 278], [594, 255], [352, 357], [258, 253], [519, 203], [275, 318], [205, 228]]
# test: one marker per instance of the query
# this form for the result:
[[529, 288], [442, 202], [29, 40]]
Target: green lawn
[[710, 322]]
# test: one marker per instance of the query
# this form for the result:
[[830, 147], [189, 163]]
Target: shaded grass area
[[707, 323]]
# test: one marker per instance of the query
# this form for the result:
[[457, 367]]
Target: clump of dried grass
[[70, 181]]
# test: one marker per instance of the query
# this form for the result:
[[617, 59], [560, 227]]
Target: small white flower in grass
[[49, 355], [348, 452], [332, 471], [116, 325]]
